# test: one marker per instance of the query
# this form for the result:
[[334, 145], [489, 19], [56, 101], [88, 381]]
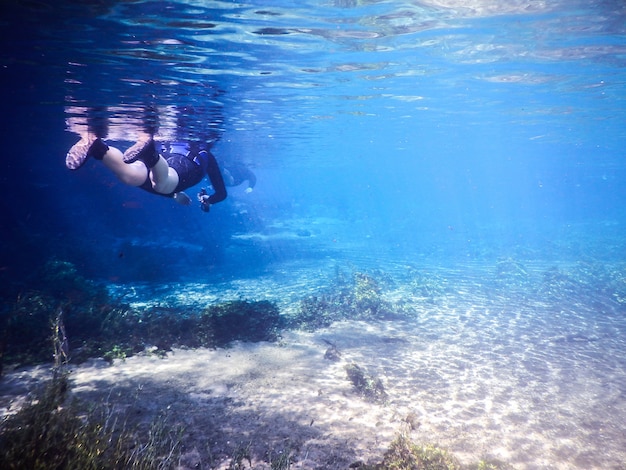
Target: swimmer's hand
[[182, 198], [204, 204], [203, 198], [248, 190]]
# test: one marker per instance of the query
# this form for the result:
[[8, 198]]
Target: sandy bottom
[[529, 384]]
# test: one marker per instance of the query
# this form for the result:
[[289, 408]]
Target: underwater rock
[[412, 420], [332, 353]]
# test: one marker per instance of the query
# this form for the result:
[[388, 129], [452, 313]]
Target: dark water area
[[443, 133], [423, 134]]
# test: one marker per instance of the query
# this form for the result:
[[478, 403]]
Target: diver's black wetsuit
[[191, 170], [237, 174]]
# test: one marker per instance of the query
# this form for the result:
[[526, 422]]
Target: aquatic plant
[[484, 465], [488, 464], [366, 293], [158, 328], [316, 312], [403, 454], [25, 324], [359, 300], [26, 329], [59, 342], [282, 461], [37, 435], [61, 280], [127, 331], [367, 385], [116, 352], [242, 320], [56, 432], [241, 453], [53, 432], [428, 287], [99, 327]]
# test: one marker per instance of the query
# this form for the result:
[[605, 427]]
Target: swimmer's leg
[[132, 174], [164, 178]]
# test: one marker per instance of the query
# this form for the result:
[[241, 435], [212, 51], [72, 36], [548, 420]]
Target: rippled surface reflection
[[277, 67], [198, 58]]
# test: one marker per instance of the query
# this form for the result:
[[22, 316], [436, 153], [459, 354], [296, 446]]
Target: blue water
[[441, 134], [406, 130]]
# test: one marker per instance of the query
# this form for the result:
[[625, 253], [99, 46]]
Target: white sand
[[535, 385], [477, 402]]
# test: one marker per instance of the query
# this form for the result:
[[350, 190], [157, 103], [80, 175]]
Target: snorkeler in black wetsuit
[[236, 173], [143, 166], [190, 167]]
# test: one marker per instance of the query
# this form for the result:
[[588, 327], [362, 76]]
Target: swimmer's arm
[[217, 181]]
